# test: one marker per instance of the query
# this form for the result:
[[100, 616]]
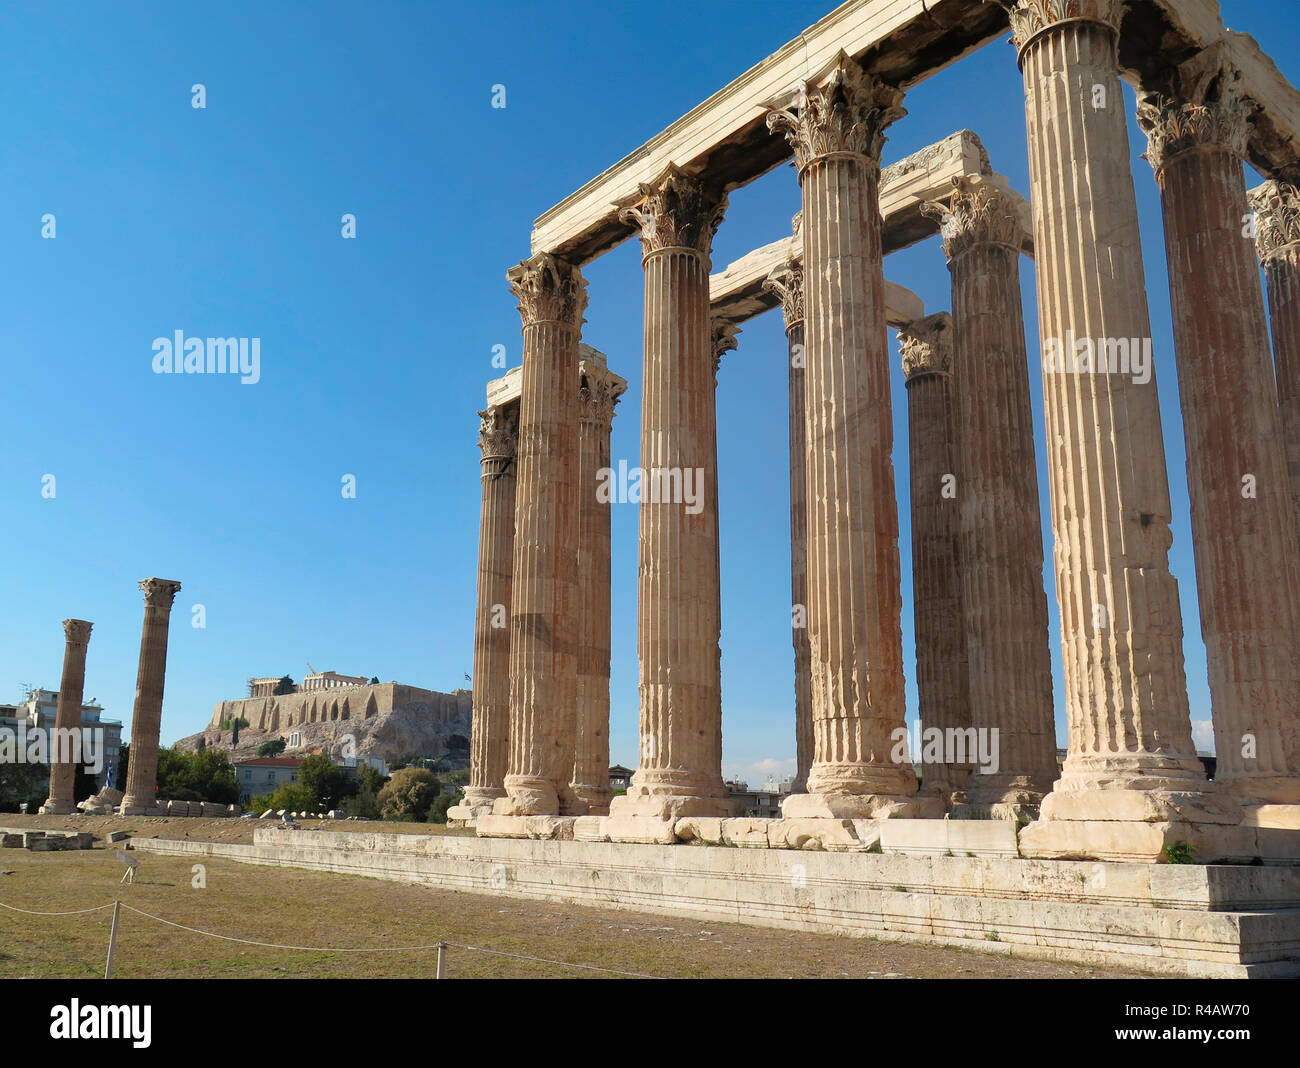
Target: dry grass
[[303, 908]]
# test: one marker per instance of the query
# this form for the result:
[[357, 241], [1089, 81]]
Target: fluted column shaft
[[1121, 628], [679, 770], [787, 280], [67, 717], [591, 760], [1243, 514], [1004, 604], [1277, 214], [855, 598], [146, 717], [490, 737], [544, 591], [941, 670]]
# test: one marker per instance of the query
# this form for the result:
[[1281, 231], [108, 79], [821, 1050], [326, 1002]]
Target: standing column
[[1001, 544], [67, 718], [146, 717], [544, 596], [1243, 511], [1132, 784], [1277, 240], [855, 598], [941, 672], [679, 772], [786, 280], [600, 393], [498, 442]]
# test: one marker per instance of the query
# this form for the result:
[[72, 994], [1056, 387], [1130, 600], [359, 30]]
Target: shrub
[[292, 797], [408, 794], [272, 748]]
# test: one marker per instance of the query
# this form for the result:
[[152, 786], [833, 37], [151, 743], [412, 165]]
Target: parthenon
[[1131, 787]]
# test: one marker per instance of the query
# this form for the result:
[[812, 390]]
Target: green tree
[[437, 812], [272, 748], [408, 794], [291, 796], [327, 783], [23, 782], [204, 776], [284, 686]]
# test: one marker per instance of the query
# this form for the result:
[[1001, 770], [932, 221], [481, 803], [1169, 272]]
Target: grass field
[[294, 907]]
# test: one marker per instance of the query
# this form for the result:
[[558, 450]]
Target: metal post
[[112, 941], [442, 961]]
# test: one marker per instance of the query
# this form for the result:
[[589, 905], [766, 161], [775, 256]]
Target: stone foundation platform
[[1216, 921]]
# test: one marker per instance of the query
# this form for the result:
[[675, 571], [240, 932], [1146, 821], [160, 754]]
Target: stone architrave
[[1276, 205], [679, 771], [786, 280], [941, 672], [1243, 509], [1131, 784], [600, 393], [146, 717], [544, 593], [1000, 539], [836, 129], [67, 718], [498, 442]]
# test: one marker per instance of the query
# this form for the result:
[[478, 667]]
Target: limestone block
[[983, 838], [11, 841], [836, 836], [152, 810], [234, 810], [212, 810], [1277, 816], [540, 827], [269, 814], [647, 829], [703, 830], [1133, 841], [746, 832], [118, 836], [590, 829]]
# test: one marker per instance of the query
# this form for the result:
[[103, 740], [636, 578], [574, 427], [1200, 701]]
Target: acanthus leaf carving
[[549, 289], [1276, 205], [926, 346], [1207, 111], [676, 210], [498, 435], [786, 281], [978, 212]]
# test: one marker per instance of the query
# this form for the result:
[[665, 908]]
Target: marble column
[[600, 393], [1132, 785], [67, 718], [498, 442], [1243, 510], [146, 717], [1004, 605], [926, 346], [786, 280], [679, 772], [544, 594], [1276, 205], [854, 581]]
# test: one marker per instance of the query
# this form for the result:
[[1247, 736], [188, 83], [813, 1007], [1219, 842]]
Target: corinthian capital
[[1205, 110], [977, 213], [599, 398], [676, 210], [549, 290], [159, 593], [926, 346], [724, 340], [498, 433], [844, 111], [1031, 17], [76, 631], [1276, 205], [786, 281]]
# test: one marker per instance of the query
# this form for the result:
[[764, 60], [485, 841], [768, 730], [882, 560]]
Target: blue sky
[[225, 221]]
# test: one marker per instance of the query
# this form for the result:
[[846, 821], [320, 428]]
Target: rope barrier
[[341, 949]]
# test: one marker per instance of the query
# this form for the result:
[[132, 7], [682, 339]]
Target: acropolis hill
[[389, 720]]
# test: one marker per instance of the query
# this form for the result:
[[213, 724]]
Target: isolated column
[[1243, 511], [1004, 605], [544, 594], [855, 598], [498, 442], [786, 280], [600, 393], [146, 717], [1131, 778], [679, 772], [67, 718], [941, 673], [1277, 240]]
